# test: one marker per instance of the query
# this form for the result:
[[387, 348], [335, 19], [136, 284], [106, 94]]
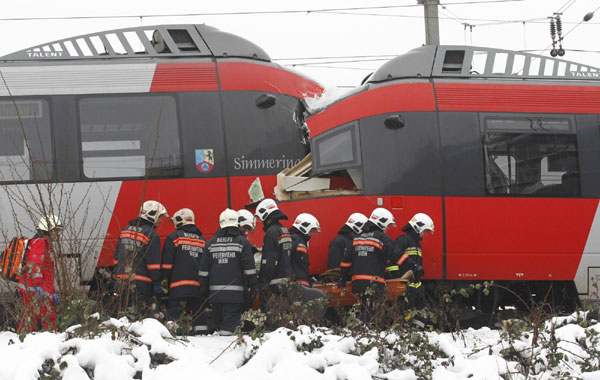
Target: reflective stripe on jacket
[[181, 255], [227, 265], [409, 244], [367, 259], [338, 246], [138, 255], [276, 254], [299, 257]]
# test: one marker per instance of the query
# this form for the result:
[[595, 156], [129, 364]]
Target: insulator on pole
[[552, 29], [559, 26]]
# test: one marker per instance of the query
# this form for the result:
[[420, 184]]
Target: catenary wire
[[322, 10], [565, 6]]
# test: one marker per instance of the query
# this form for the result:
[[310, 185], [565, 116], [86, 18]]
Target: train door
[[587, 277], [262, 139], [402, 165], [205, 187]]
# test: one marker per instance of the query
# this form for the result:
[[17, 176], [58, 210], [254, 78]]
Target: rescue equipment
[[344, 296], [12, 259]]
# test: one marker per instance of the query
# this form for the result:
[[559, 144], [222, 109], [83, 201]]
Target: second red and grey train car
[[500, 148]]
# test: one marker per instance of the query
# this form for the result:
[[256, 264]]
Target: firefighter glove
[[56, 298], [341, 283], [158, 290], [40, 291], [164, 284]]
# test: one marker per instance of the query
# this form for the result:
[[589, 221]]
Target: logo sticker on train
[[205, 160]]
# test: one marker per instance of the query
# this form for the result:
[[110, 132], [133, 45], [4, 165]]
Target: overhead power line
[[289, 11], [574, 50], [566, 6], [336, 67], [336, 57], [485, 21], [481, 2], [337, 62]]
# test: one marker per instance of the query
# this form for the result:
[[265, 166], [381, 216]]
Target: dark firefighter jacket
[[138, 255], [410, 247], [371, 250], [299, 258], [181, 256], [338, 245], [227, 259], [275, 265]]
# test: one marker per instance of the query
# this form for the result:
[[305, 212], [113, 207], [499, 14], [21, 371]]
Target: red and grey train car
[[500, 148], [91, 126]]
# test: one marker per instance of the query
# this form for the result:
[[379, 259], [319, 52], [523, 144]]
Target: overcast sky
[[381, 32]]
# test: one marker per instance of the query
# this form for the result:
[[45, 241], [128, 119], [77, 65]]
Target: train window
[[26, 148], [336, 149], [130, 136], [530, 157]]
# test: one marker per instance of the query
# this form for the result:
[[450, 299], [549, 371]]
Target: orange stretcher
[[344, 296]]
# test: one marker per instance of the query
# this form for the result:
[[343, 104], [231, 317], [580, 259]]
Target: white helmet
[[356, 221], [265, 208], [183, 217], [421, 222], [382, 218], [246, 219], [152, 211], [228, 218], [49, 222], [306, 222]]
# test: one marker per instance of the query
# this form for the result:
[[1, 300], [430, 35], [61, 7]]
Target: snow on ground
[[147, 350]]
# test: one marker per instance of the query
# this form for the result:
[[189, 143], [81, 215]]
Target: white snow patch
[[147, 348]]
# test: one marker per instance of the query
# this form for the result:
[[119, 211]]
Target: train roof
[[480, 62], [162, 41]]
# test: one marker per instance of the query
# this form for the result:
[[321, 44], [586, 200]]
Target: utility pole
[[432, 25]]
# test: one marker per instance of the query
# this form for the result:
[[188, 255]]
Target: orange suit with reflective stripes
[[39, 273]]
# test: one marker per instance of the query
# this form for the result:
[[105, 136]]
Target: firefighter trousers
[[192, 307], [227, 315]]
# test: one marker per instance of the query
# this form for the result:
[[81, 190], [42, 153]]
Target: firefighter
[[302, 230], [411, 263], [137, 255], [225, 268], [247, 224], [343, 241], [247, 221], [366, 261], [36, 285], [276, 267], [181, 255]]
